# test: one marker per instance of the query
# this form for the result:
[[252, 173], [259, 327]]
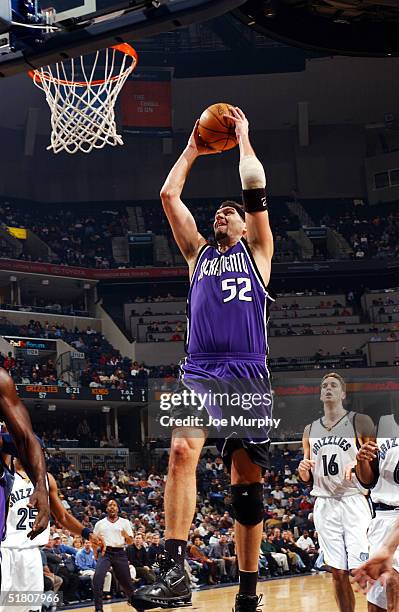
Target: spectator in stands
[[274, 521], [291, 545], [155, 549], [282, 546], [270, 551], [86, 564], [9, 362], [52, 582], [62, 565], [221, 551], [83, 432], [306, 543], [196, 552], [138, 557]]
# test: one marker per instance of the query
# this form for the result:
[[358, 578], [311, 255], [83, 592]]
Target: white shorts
[[379, 528], [342, 527], [21, 572]]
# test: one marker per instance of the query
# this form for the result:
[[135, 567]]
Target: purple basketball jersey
[[227, 304]]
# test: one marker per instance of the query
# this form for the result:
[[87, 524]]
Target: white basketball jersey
[[386, 491], [333, 450], [20, 517]]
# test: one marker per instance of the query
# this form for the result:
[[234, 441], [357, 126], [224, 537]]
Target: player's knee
[[181, 453], [247, 503]]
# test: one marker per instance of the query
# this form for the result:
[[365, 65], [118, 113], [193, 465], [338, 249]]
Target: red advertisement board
[[146, 103]]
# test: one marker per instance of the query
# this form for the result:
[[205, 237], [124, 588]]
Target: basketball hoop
[[82, 106]]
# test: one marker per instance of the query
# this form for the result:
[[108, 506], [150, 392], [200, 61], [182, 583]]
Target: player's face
[[228, 224], [331, 391]]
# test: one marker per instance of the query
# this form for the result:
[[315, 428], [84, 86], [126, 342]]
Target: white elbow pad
[[252, 173]]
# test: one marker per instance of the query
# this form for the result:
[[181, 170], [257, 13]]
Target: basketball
[[216, 130]]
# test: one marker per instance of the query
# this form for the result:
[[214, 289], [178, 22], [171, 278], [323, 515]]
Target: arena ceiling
[[348, 27]]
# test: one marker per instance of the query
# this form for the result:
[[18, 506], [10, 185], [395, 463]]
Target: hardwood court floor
[[302, 594]]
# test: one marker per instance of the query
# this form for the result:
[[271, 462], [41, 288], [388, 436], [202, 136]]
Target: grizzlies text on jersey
[[386, 491], [333, 450], [20, 517]]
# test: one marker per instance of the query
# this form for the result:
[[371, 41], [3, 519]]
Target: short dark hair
[[231, 204]]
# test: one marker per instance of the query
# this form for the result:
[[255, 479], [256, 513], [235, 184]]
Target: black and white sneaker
[[248, 603], [171, 590]]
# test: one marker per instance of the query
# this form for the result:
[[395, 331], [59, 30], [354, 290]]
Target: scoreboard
[[99, 394]]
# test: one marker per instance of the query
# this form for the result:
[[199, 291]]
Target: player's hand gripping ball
[[215, 129]]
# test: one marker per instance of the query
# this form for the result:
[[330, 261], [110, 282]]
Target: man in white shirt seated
[[305, 541], [307, 544]]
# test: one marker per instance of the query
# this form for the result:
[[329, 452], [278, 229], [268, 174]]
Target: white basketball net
[[82, 107]]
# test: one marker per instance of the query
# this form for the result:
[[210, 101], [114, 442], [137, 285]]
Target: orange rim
[[125, 48]]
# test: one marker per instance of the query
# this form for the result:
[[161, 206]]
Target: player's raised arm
[[182, 222], [253, 181], [30, 453]]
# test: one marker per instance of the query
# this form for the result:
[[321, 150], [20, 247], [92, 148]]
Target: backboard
[[81, 27], [71, 9], [71, 12]]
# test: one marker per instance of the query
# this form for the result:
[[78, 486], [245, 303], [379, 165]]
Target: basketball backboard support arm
[[156, 17]]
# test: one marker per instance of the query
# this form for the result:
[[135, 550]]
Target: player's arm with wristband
[[306, 465], [29, 450], [253, 181], [181, 221], [66, 520]]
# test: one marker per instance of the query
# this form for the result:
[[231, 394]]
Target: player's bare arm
[[181, 221], [306, 465], [379, 566], [366, 464], [367, 457], [365, 428], [20, 427], [259, 235], [65, 519]]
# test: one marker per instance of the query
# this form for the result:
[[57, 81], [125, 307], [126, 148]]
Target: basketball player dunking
[[16, 418], [21, 565], [227, 337], [341, 512], [378, 467]]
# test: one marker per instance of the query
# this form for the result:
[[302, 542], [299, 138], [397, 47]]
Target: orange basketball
[[215, 130]]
